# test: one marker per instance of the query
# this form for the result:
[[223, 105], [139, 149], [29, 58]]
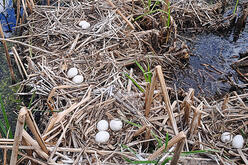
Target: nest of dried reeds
[[52, 42]]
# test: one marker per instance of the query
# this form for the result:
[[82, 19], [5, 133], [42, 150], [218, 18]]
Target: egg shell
[[78, 79], [116, 124], [238, 141], [72, 72], [226, 137], [84, 24], [102, 137], [102, 125]]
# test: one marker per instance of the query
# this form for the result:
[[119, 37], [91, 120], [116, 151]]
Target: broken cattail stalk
[[18, 135], [149, 99], [166, 99], [140, 131], [195, 121], [34, 129], [224, 104], [7, 54], [180, 136], [34, 144], [187, 109], [178, 151]]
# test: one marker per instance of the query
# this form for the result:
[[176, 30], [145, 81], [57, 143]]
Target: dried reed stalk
[[195, 121], [7, 55], [34, 129], [149, 99], [18, 134], [176, 139], [167, 99]]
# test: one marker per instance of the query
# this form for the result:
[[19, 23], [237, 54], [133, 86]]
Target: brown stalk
[[140, 131], [166, 99], [178, 151], [18, 134], [7, 55], [195, 121], [180, 136], [187, 109], [35, 145], [224, 104], [149, 99], [34, 129], [18, 4]]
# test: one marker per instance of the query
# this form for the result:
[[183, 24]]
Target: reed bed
[[159, 123]]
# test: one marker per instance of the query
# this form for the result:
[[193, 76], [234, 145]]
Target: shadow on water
[[209, 71]]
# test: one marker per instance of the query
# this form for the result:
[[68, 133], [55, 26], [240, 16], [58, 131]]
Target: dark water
[[210, 64], [7, 18]]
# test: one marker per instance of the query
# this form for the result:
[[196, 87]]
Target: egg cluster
[[102, 126], [237, 141], [73, 73]]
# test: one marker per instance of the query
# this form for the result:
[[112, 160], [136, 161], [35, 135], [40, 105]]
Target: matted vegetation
[[116, 55]]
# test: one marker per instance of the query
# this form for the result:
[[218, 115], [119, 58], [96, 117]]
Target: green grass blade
[[168, 15], [139, 161], [134, 124], [142, 69], [156, 3], [166, 141], [3, 128], [128, 148], [166, 160], [135, 83], [235, 8], [160, 144], [5, 118]]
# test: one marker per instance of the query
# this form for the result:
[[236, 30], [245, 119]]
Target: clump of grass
[[5, 127], [147, 76], [151, 10]]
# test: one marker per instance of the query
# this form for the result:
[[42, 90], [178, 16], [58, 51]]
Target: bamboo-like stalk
[[149, 99], [195, 121], [34, 129], [166, 99], [178, 151], [180, 136], [140, 131], [18, 135], [7, 55]]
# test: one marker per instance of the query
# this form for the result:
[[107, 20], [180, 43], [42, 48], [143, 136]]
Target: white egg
[[102, 125], [84, 24], [116, 124], [238, 141], [72, 72], [226, 137], [102, 137], [78, 79]]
